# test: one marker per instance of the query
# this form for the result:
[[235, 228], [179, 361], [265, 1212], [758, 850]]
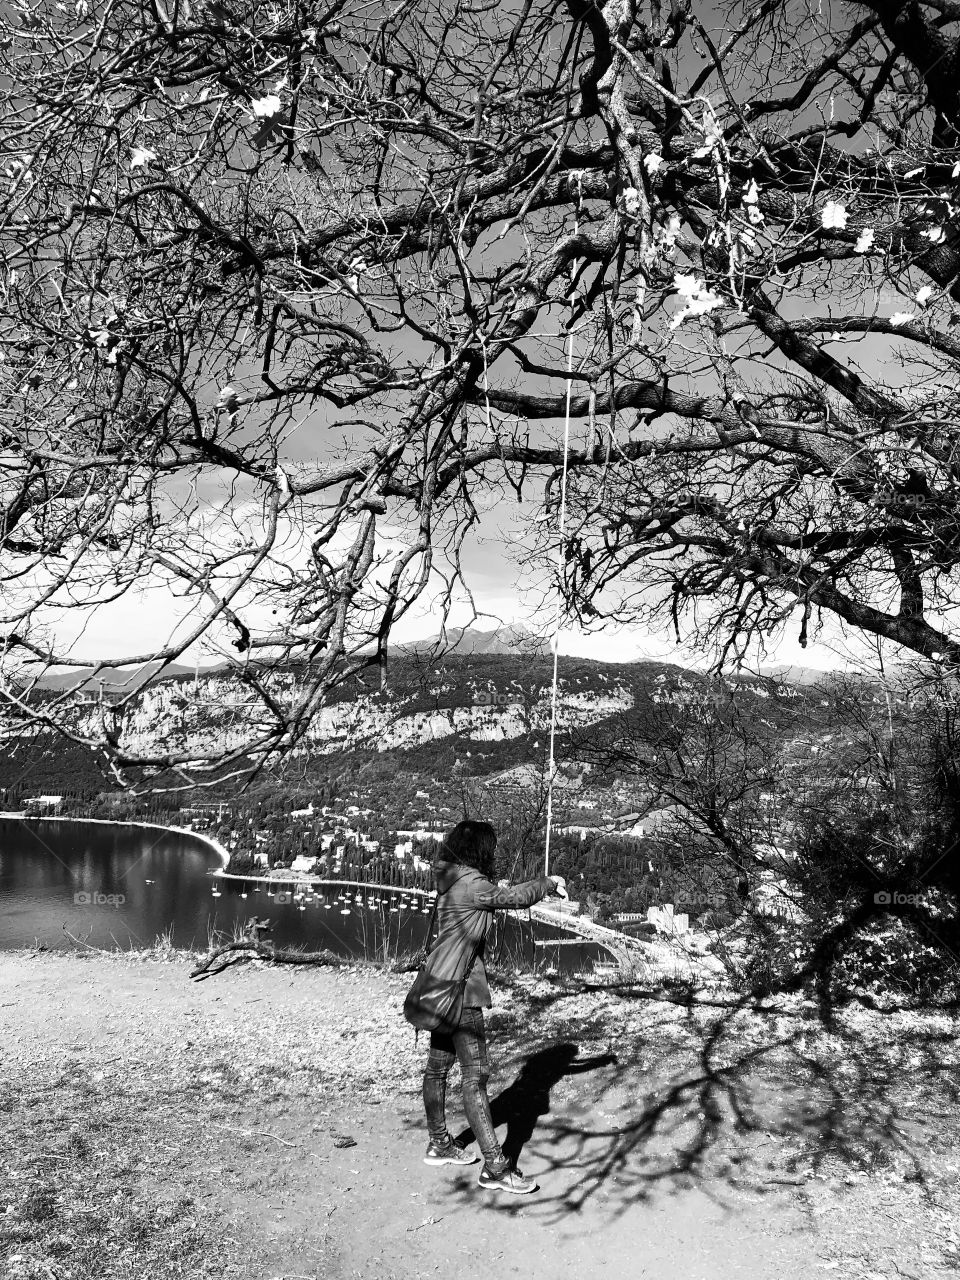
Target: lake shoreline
[[215, 845], [287, 883], [598, 935]]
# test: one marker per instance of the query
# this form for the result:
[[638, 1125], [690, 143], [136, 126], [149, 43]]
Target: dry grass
[[143, 1157], [94, 1186]]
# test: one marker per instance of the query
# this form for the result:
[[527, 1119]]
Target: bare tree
[[836, 828], [293, 290], [704, 760]]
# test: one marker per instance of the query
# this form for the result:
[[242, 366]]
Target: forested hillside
[[467, 716]]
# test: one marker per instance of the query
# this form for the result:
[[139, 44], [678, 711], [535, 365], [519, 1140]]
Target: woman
[[468, 898]]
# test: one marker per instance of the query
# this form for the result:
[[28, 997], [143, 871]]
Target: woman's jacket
[[465, 921]]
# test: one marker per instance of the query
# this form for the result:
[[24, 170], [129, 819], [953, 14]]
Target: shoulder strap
[[428, 945]]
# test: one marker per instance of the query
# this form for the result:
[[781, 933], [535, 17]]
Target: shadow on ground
[[726, 1100]]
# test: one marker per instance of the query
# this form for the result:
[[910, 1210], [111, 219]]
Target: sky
[[130, 627], [139, 622]]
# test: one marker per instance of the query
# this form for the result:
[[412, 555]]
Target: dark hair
[[471, 844]]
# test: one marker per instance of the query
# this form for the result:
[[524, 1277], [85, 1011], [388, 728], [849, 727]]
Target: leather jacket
[[465, 920]]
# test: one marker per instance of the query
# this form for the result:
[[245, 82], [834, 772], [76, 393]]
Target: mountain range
[[510, 641], [458, 640]]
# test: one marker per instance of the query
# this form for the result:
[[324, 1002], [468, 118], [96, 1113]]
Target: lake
[[122, 887]]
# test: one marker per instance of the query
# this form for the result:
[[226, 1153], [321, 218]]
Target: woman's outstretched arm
[[484, 894]]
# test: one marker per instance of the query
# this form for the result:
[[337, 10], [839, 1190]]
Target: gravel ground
[[701, 1143]]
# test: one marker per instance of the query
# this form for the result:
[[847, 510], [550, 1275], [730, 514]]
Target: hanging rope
[[561, 541], [557, 614]]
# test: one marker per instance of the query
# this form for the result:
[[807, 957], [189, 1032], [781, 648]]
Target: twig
[[82, 942], [253, 1133]]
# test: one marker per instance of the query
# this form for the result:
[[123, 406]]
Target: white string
[[556, 620], [561, 549], [486, 384]]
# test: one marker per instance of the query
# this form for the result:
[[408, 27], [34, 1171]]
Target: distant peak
[[511, 638]]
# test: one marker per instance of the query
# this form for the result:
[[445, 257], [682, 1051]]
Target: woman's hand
[[559, 886]]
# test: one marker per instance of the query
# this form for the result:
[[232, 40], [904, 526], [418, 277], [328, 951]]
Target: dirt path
[[705, 1145]]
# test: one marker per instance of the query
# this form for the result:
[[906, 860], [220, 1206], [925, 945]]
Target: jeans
[[468, 1045]]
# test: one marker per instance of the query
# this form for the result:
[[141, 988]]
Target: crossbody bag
[[436, 1004]]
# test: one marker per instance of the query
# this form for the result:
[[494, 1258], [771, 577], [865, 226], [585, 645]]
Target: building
[[667, 921]]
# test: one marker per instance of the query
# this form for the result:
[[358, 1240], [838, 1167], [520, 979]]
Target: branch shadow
[[731, 1101]]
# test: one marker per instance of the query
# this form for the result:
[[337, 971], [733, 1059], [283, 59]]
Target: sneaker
[[448, 1153], [510, 1180]]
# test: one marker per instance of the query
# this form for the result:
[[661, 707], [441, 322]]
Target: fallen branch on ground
[[268, 952]]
